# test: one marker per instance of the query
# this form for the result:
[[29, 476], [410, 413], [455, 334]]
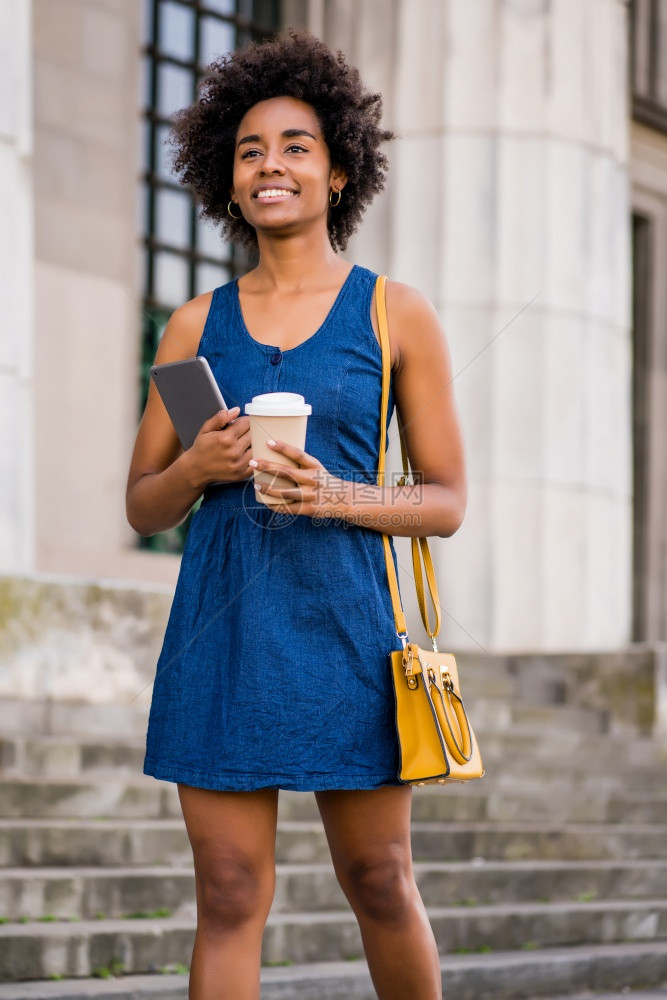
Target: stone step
[[499, 715], [128, 797], [82, 948], [575, 752], [502, 798], [639, 807], [527, 975], [94, 893], [66, 842], [66, 756], [72, 718], [507, 797], [593, 750]]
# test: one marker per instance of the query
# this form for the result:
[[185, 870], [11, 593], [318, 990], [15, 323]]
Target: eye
[[294, 148], [248, 153]]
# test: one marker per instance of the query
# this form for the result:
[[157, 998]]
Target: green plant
[[100, 915], [280, 962], [56, 975], [4, 920], [465, 902], [115, 967], [586, 897], [530, 946], [178, 967], [161, 911], [48, 918], [24, 920], [353, 958]]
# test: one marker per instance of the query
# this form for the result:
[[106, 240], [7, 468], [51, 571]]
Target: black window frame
[[250, 20], [648, 108]]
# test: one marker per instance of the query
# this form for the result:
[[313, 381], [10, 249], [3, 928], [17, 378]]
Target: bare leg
[[233, 836], [369, 838]]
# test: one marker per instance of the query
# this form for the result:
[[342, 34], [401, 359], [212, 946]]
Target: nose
[[272, 162]]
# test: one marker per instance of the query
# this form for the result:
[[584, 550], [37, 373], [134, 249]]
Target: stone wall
[[79, 641]]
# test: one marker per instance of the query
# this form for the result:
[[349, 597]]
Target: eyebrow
[[289, 133]]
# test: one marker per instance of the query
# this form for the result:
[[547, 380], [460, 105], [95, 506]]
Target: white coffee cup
[[281, 416]]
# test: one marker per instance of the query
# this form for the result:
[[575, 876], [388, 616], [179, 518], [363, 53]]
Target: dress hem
[[237, 782]]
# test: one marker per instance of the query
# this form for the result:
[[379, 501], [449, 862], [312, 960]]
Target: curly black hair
[[296, 64]]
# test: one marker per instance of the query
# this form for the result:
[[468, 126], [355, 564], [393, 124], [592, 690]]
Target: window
[[182, 255], [648, 62]]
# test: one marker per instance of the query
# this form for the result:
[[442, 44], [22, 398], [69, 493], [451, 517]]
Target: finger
[[293, 493], [298, 454], [301, 477], [241, 430], [220, 419]]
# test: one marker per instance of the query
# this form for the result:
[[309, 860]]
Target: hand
[[316, 493], [221, 449]]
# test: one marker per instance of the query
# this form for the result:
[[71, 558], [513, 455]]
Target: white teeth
[[273, 193]]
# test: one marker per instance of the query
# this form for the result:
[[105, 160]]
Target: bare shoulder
[[407, 301], [157, 444], [183, 332], [413, 321]]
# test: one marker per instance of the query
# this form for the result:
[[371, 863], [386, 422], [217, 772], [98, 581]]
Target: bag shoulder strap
[[420, 547]]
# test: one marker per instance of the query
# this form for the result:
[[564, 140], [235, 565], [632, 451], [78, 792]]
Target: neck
[[292, 263]]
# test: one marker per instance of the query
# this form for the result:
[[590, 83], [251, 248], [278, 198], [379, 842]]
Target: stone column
[[16, 291], [508, 206], [88, 299]]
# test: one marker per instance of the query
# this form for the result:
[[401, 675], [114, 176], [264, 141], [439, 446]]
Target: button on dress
[[274, 668]]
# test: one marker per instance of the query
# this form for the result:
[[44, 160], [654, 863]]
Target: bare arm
[[435, 505], [164, 481]]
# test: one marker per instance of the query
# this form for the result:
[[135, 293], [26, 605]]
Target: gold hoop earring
[[334, 204], [230, 213]]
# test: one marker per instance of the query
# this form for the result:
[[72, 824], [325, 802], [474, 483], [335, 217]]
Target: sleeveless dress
[[274, 669]]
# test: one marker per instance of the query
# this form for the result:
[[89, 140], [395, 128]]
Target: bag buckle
[[408, 657], [447, 682]]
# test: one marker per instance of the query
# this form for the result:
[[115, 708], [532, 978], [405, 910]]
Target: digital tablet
[[190, 394]]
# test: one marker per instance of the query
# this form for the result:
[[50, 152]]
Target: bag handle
[[420, 549]]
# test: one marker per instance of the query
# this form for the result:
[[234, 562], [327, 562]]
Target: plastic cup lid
[[278, 404]]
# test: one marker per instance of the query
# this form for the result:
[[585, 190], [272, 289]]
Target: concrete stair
[[548, 878]]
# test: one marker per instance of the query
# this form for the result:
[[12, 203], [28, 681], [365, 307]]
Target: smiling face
[[282, 167]]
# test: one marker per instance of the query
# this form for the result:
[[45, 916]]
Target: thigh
[[367, 827], [230, 827]]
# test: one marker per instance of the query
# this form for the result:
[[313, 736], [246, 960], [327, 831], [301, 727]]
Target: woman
[[260, 684]]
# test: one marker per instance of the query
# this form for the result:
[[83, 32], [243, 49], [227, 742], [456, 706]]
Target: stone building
[[527, 198]]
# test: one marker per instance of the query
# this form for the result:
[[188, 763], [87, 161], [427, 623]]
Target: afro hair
[[299, 65]]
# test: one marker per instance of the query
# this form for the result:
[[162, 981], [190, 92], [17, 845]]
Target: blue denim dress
[[274, 669]]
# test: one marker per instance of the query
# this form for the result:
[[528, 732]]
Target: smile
[[274, 194]]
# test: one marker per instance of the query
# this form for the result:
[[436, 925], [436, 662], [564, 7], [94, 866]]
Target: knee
[[232, 892], [380, 888]]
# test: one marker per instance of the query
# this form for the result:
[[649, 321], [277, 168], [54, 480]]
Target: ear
[[337, 178]]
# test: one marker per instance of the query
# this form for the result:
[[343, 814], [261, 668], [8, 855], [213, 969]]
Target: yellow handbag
[[436, 740]]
